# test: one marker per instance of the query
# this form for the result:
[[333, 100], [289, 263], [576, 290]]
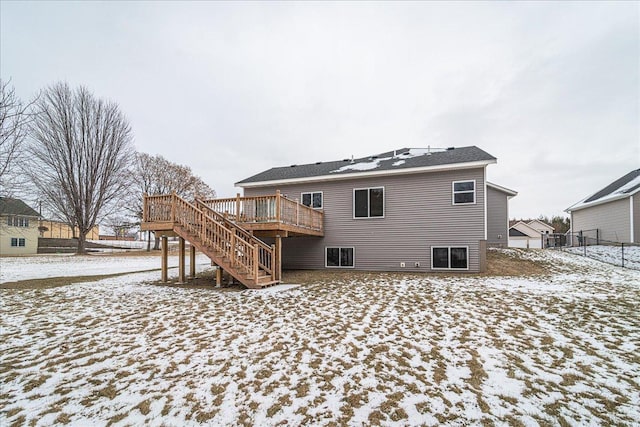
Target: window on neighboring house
[[17, 242], [17, 221], [339, 257], [464, 192], [312, 199], [368, 202], [449, 258]]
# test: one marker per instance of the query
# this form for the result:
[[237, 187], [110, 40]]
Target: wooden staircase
[[245, 257]]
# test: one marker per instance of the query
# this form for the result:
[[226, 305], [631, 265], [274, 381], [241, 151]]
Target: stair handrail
[[214, 230], [266, 252], [213, 233]]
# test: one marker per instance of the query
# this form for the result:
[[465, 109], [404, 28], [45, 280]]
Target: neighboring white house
[[18, 228], [523, 235], [611, 214], [541, 227]]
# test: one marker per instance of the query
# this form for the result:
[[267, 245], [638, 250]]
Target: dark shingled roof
[[437, 157], [615, 185], [515, 232], [10, 206]]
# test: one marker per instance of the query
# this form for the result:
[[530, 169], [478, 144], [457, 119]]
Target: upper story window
[[368, 202], [17, 221], [312, 199], [464, 192]]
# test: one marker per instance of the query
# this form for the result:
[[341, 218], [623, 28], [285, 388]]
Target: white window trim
[[449, 250], [339, 247], [453, 192], [312, 193], [384, 203]]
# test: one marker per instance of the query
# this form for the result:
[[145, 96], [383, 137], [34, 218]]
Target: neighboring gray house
[[498, 215], [404, 210], [613, 211]]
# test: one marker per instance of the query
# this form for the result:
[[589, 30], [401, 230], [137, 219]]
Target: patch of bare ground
[[499, 263]]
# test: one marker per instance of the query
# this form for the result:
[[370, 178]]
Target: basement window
[[339, 257], [449, 258]]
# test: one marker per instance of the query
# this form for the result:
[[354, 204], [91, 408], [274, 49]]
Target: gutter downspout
[[631, 219], [485, 203]]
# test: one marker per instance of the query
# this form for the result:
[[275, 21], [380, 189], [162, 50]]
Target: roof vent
[[318, 163], [450, 148], [293, 166], [345, 160], [352, 161]]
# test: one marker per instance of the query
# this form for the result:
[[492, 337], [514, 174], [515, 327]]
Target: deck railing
[[244, 251], [265, 252], [272, 208]]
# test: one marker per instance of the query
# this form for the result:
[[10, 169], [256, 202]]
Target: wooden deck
[[226, 229], [268, 216]]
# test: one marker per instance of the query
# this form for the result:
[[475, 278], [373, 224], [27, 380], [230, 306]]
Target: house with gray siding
[[403, 210], [610, 214], [498, 215]]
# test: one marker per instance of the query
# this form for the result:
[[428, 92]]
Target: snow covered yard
[[391, 350], [69, 265]]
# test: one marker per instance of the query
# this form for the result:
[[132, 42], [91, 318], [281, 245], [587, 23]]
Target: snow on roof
[[619, 189], [391, 162], [362, 166], [374, 162]]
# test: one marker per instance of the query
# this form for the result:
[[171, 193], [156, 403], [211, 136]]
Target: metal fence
[[588, 243]]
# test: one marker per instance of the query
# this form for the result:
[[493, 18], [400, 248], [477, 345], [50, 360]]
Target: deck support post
[[218, 276], [181, 278], [278, 206], [278, 256], [192, 261], [164, 276]]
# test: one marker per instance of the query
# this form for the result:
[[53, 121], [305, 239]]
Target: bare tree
[[120, 225], [157, 175], [13, 128], [82, 149]]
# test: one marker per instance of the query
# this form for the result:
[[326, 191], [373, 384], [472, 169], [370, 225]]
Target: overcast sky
[[231, 89]]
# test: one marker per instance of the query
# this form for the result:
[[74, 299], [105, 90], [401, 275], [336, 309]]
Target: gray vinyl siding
[[418, 214], [497, 218], [636, 217], [611, 219]]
